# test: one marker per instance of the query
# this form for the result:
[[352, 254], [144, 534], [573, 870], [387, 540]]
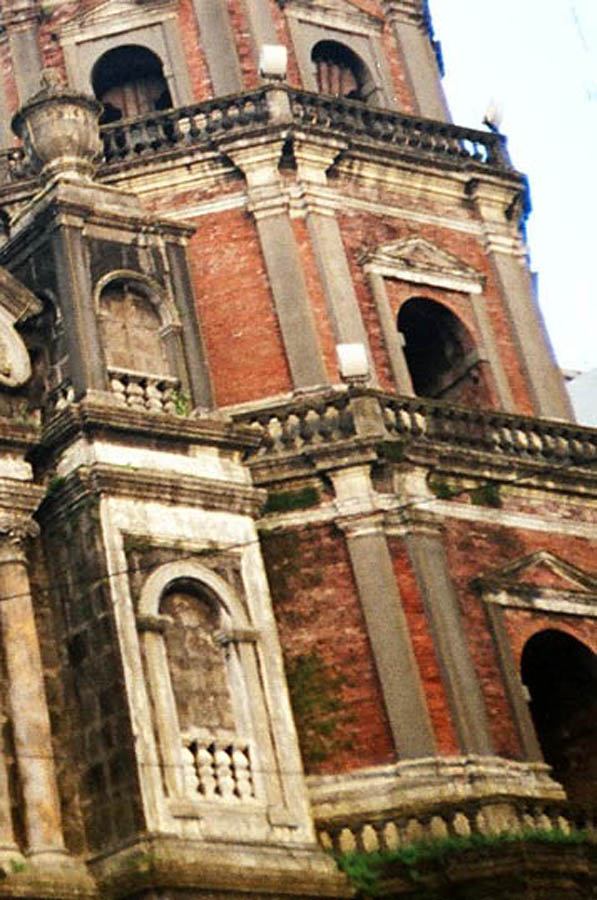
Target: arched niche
[[560, 674], [129, 80], [199, 659], [440, 353], [139, 324], [340, 72]]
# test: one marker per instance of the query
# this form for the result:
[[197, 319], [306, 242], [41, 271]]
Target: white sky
[[538, 60]]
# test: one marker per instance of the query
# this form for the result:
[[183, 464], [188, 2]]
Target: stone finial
[[59, 130]]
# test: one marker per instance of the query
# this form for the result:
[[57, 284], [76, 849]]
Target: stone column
[[384, 615], [269, 205], [313, 158], [26, 695], [411, 29], [507, 255], [424, 543]]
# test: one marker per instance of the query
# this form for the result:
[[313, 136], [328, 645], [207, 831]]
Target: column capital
[[15, 530], [410, 12]]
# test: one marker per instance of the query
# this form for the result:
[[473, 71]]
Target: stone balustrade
[[387, 807], [308, 422], [202, 122], [186, 125], [217, 767], [155, 393], [458, 820], [333, 416], [427, 136], [59, 398]]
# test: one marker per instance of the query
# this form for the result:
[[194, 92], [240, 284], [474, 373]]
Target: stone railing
[[59, 398], [304, 424], [189, 125], [196, 124], [437, 139], [387, 807], [217, 768], [156, 393], [487, 818]]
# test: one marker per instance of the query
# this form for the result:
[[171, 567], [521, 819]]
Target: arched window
[[560, 674], [440, 353], [340, 72], [131, 325], [129, 81]]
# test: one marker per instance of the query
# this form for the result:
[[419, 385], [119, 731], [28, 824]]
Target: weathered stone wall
[[87, 701]]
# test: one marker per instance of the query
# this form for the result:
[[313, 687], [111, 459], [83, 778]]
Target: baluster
[[189, 772], [118, 389], [242, 772], [223, 770], [205, 770], [154, 396]]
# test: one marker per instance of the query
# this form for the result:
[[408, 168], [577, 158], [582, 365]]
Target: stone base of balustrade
[[387, 807]]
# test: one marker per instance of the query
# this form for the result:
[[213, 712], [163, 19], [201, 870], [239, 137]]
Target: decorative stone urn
[[59, 130]]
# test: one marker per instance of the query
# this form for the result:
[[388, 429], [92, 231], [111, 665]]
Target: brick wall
[[320, 619]]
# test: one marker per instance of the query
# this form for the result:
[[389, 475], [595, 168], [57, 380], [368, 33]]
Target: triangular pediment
[[541, 572], [421, 256], [115, 12], [349, 9]]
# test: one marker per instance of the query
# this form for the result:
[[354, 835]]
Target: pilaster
[[22, 17], [425, 547], [393, 339], [410, 24], [496, 207], [261, 25], [269, 206], [314, 156], [218, 46], [384, 614]]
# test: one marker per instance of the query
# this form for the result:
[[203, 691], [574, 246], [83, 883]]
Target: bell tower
[[293, 507]]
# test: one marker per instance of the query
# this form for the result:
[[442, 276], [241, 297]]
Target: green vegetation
[[392, 451], [317, 706], [367, 870], [487, 494], [285, 501], [443, 490]]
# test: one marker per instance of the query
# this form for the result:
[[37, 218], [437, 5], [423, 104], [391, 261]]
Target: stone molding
[[411, 12], [414, 784], [419, 261], [339, 14], [513, 586]]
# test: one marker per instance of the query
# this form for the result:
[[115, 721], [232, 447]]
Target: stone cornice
[[93, 417], [101, 480]]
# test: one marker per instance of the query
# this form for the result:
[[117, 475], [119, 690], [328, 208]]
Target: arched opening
[[130, 81], [560, 674], [340, 72], [440, 353], [131, 325]]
